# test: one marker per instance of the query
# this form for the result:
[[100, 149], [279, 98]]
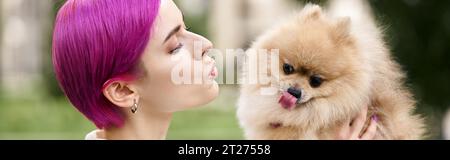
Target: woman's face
[[169, 57]]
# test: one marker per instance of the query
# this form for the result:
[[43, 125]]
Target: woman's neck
[[141, 125]]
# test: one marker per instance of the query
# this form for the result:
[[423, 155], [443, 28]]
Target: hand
[[351, 129]]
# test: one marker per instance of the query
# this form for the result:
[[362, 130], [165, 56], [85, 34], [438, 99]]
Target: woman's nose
[[206, 45]]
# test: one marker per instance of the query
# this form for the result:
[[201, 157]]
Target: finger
[[358, 123], [343, 131], [370, 132]]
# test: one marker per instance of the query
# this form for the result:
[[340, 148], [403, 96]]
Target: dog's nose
[[297, 93]]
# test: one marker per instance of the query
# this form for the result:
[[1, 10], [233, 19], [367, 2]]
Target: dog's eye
[[288, 69], [315, 81]]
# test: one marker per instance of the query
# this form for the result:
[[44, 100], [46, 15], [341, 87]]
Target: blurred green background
[[33, 107]]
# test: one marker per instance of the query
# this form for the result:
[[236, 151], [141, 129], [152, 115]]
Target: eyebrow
[[173, 32]]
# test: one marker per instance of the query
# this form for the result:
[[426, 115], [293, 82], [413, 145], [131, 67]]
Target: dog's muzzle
[[290, 98]]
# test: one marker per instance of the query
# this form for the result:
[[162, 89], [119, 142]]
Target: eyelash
[[179, 46]]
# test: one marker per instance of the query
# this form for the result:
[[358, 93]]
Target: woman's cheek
[[171, 86]]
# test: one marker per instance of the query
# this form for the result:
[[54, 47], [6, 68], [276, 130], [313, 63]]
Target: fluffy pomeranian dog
[[330, 68]]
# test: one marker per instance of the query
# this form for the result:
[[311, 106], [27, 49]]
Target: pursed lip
[[213, 73]]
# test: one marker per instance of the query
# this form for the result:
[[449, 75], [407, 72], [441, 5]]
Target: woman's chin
[[210, 94], [205, 95], [214, 89], [211, 91]]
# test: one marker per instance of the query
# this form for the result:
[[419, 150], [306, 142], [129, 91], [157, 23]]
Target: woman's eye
[[288, 69], [315, 81], [176, 49]]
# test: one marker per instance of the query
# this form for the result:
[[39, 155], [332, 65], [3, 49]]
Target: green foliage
[[419, 36]]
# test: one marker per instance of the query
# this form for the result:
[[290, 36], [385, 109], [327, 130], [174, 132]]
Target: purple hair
[[99, 41]]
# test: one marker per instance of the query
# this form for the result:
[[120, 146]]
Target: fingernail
[[375, 118]]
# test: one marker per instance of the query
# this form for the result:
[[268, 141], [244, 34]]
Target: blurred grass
[[216, 120], [57, 119], [41, 119]]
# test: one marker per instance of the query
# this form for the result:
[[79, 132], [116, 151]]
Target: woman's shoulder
[[95, 135]]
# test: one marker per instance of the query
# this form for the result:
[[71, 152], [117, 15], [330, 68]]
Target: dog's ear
[[312, 11], [342, 29]]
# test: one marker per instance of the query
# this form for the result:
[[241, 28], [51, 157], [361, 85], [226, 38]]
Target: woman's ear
[[121, 93]]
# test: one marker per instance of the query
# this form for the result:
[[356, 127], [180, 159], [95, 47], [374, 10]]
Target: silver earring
[[134, 107]]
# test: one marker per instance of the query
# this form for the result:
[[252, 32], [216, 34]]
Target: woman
[[114, 61]]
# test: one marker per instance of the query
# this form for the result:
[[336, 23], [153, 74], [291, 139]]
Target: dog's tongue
[[287, 101]]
